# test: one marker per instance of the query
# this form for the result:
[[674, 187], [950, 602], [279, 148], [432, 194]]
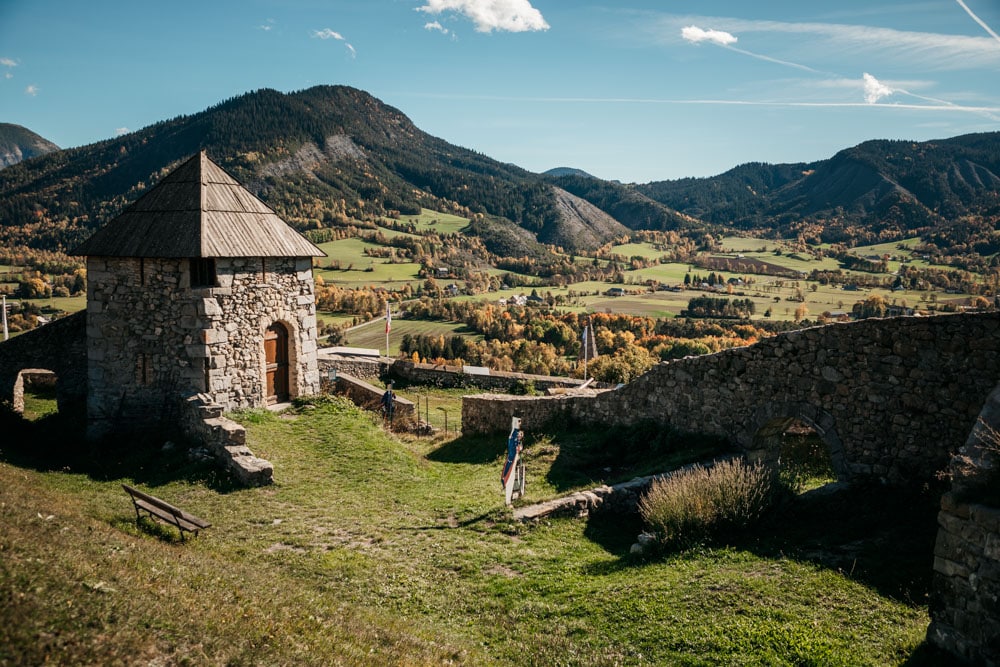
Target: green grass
[[39, 402], [372, 335], [439, 223], [372, 549]]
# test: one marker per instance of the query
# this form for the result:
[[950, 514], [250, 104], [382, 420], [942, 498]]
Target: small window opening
[[203, 272], [143, 370]]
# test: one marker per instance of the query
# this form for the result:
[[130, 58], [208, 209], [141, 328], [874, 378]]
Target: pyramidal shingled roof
[[198, 210]]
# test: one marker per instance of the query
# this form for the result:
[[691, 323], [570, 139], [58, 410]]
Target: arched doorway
[[800, 439], [276, 359]]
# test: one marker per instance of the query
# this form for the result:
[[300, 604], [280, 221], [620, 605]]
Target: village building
[[196, 288]]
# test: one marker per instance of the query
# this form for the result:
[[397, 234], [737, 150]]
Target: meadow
[[378, 549]]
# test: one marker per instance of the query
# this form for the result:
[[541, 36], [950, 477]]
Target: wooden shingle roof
[[198, 210]]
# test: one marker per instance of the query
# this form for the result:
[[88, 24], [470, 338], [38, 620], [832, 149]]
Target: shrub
[[700, 503]]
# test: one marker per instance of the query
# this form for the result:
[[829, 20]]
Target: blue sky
[[633, 90]]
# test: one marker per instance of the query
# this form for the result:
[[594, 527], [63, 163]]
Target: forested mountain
[[319, 157], [331, 155], [19, 143], [625, 203], [947, 191]]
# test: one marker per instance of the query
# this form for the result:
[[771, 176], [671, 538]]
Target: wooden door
[[276, 356]]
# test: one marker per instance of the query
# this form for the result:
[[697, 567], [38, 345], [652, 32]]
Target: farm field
[[372, 334], [433, 221]]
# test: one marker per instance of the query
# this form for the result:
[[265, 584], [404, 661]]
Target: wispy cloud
[[121, 131], [434, 25], [8, 62], [695, 35], [31, 90], [978, 20], [490, 15], [942, 107], [816, 41], [266, 25], [326, 33]]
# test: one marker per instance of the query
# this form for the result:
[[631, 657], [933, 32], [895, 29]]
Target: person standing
[[388, 406]]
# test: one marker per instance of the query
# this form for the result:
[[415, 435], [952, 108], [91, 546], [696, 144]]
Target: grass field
[[372, 334], [377, 550], [439, 223]]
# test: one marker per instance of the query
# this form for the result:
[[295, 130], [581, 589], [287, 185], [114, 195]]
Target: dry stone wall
[[891, 398], [456, 376], [151, 337], [965, 604], [60, 347]]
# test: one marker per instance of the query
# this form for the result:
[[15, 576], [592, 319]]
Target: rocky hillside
[[19, 143]]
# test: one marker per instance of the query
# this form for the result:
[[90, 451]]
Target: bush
[[699, 503]]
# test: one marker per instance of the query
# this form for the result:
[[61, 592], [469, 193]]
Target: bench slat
[[165, 511], [178, 521]]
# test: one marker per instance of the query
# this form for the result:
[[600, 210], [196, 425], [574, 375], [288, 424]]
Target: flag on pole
[[584, 340], [388, 318]]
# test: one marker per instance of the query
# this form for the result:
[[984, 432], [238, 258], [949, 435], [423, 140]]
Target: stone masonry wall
[[455, 376], [61, 347], [369, 397], [202, 421], [891, 398], [965, 602], [152, 338]]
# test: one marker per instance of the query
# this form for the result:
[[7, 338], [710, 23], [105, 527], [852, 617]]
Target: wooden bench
[[164, 512]]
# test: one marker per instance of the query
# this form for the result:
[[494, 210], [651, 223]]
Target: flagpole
[[388, 326], [5, 335]]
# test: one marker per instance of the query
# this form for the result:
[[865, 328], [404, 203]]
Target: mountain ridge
[[334, 155], [18, 143]]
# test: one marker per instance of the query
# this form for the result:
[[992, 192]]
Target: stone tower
[[196, 288]]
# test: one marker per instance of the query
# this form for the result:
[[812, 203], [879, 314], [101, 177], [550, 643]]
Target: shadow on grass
[[149, 527], [57, 443], [472, 449], [610, 455], [880, 536]]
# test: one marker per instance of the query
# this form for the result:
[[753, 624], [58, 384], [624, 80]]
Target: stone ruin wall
[[60, 347], [152, 338], [455, 376], [896, 396], [965, 603]]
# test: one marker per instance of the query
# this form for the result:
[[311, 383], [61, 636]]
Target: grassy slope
[[373, 550]]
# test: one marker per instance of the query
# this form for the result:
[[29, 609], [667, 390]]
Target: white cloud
[[31, 90], [434, 25], [875, 89], [490, 15], [694, 34], [121, 131], [8, 75], [266, 25], [326, 33], [8, 62]]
